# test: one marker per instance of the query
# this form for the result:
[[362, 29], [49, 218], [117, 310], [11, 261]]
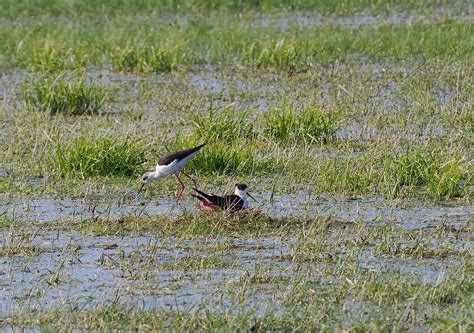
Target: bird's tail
[[203, 194], [198, 197]]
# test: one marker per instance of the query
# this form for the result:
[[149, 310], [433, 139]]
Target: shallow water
[[80, 272], [366, 19], [77, 271], [366, 209], [50, 210], [91, 276]]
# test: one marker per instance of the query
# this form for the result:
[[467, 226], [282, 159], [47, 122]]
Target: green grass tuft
[[310, 124], [88, 157], [442, 178], [66, 93], [232, 146], [236, 158], [282, 53], [223, 125], [145, 59], [393, 174], [6, 222]]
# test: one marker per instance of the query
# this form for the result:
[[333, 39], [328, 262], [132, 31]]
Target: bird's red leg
[[182, 188], [192, 179]]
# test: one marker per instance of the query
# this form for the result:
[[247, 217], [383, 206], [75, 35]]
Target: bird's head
[[147, 178], [242, 191]]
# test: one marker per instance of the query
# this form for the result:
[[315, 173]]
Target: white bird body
[[174, 167], [172, 164]]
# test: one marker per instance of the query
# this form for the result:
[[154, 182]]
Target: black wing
[[232, 202], [179, 155]]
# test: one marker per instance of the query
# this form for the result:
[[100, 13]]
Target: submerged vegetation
[[312, 266]]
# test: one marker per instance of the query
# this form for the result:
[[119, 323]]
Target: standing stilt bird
[[172, 164], [232, 202]]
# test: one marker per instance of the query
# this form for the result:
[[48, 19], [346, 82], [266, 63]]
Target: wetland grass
[[372, 301], [185, 225], [224, 40], [237, 158], [325, 284], [143, 59], [102, 156], [434, 174], [48, 59], [310, 124], [6, 223], [225, 125], [66, 94], [285, 54], [282, 141], [10, 8], [233, 145], [21, 249], [15, 242], [443, 176], [193, 263], [322, 108]]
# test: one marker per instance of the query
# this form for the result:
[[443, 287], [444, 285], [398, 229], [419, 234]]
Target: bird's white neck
[[241, 193]]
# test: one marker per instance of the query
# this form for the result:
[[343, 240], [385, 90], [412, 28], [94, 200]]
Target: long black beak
[[252, 197], [140, 189]]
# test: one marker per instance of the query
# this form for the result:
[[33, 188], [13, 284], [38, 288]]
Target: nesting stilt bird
[[172, 164], [233, 202]]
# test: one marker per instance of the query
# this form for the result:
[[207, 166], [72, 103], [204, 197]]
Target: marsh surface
[[351, 124]]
